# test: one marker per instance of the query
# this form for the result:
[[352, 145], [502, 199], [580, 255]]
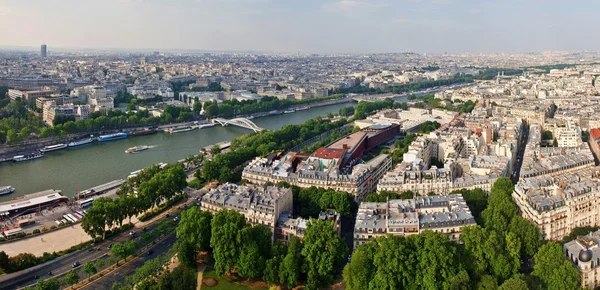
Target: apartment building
[[336, 166], [585, 254], [287, 226], [446, 214], [559, 203], [261, 205]]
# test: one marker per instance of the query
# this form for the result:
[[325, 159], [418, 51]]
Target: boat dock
[[222, 145], [100, 189]]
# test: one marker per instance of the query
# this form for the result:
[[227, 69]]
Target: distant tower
[[43, 50]]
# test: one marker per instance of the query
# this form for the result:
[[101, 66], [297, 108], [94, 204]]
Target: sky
[[306, 26]]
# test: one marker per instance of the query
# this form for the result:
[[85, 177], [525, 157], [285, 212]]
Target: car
[[76, 264], [36, 277], [176, 219], [150, 252], [109, 246], [144, 229], [131, 233], [50, 273], [167, 215]]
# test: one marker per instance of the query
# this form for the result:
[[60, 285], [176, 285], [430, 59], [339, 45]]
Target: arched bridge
[[240, 122]]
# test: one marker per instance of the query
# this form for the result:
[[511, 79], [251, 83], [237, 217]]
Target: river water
[[79, 168]]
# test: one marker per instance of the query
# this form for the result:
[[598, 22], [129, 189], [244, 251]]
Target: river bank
[[77, 168]]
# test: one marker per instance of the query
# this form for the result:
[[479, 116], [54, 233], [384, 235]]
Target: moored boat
[[30, 156], [81, 142], [302, 108], [204, 126], [289, 111], [110, 137], [4, 190], [54, 147], [136, 149], [141, 132], [180, 129]]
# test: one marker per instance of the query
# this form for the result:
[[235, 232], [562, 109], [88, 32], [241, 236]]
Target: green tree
[[514, 284], [123, 250], [359, 272], [226, 240], [291, 264], [186, 253], [323, 251], [553, 270], [250, 264], [194, 228], [555, 143], [487, 282], [184, 278], [89, 268], [100, 264], [166, 281], [70, 279], [49, 284], [529, 234], [4, 262]]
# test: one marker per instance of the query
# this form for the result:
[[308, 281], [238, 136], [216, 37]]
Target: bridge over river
[[240, 122]]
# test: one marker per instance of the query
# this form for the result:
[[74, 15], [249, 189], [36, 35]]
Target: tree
[[359, 272], [4, 262], [513, 284], [100, 264], [291, 264], [184, 278], [186, 253], [49, 284], [195, 228], [225, 240], [487, 282], [553, 270], [123, 250], [89, 268], [324, 250], [555, 143], [166, 281], [529, 234], [70, 279], [250, 264]]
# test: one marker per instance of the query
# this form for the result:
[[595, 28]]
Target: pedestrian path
[[201, 268]]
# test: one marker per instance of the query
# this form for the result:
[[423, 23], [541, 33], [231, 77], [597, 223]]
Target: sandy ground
[[50, 242]]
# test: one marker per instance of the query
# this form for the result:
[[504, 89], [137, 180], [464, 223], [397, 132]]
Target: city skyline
[[340, 26]]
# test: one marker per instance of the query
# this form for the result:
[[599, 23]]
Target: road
[[63, 264], [520, 154], [106, 282]]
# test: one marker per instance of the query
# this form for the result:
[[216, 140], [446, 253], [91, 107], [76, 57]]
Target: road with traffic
[[106, 281], [64, 264]]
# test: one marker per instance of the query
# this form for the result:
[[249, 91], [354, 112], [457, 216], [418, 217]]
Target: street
[[105, 282], [63, 264]]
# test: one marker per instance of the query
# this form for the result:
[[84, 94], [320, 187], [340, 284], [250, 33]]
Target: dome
[[585, 255]]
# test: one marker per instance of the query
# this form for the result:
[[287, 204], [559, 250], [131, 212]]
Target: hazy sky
[[319, 26]]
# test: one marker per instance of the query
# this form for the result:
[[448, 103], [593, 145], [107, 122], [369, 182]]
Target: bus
[[86, 203]]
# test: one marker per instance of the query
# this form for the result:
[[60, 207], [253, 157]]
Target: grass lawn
[[226, 284]]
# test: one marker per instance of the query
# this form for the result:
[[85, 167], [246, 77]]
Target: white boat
[[4, 190], [54, 147], [250, 118], [81, 142], [289, 111], [30, 156], [303, 108], [136, 149], [204, 126], [180, 130]]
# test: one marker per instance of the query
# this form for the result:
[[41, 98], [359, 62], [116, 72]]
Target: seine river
[[79, 168]]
